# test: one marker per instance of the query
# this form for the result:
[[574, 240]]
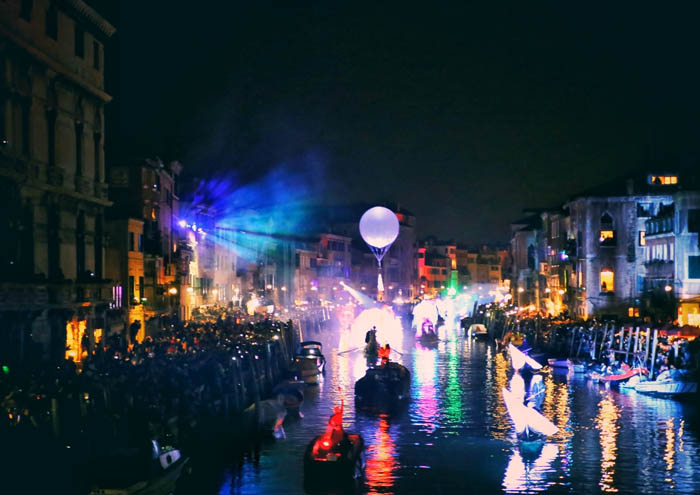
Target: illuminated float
[[334, 457], [531, 427]]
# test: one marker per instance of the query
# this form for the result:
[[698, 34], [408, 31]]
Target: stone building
[[672, 280], [144, 220], [609, 226], [52, 187]]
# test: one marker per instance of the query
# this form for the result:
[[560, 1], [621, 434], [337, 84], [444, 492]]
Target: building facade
[[53, 190]]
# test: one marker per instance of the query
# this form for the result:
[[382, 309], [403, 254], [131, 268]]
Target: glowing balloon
[[379, 227]]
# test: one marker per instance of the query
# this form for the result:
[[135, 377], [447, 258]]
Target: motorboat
[[573, 365], [669, 383], [478, 331], [383, 387], [309, 362], [163, 471], [619, 376]]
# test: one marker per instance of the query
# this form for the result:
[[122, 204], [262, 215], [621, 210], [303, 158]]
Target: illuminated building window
[[607, 237], [642, 238], [663, 180], [633, 312], [607, 280]]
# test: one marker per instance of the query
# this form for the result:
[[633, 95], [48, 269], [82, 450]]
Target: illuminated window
[[607, 237], [607, 280], [633, 312], [642, 238], [663, 180]]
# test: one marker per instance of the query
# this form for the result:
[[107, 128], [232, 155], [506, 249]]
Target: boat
[[383, 387], [519, 359], [669, 383], [478, 331], [569, 364], [429, 339], [335, 456], [624, 373], [531, 427], [326, 462], [292, 392], [266, 416], [165, 468], [309, 362]]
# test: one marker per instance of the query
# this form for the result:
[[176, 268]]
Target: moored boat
[[164, 469], [669, 383], [569, 364], [309, 362], [623, 374], [478, 331]]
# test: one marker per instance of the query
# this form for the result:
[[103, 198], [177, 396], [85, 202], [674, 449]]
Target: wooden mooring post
[[653, 354]]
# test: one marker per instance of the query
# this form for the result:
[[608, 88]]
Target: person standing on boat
[[371, 341], [384, 353]]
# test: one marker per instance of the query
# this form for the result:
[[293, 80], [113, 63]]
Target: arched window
[[607, 231]]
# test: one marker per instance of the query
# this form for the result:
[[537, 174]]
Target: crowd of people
[[123, 392]]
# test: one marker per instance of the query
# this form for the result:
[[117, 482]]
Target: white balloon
[[379, 227]]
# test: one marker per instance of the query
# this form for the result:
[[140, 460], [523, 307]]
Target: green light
[[5, 369]]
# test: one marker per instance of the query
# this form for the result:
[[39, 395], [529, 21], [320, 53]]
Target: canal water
[[454, 435]]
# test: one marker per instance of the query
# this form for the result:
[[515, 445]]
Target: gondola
[[326, 463], [429, 339], [309, 362], [383, 387]]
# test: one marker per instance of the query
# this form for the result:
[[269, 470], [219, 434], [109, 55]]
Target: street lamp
[[172, 291], [668, 288]]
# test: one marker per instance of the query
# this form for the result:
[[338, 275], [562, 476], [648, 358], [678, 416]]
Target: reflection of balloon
[[379, 227]]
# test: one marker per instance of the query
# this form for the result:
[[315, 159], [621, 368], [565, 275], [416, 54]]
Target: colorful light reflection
[[381, 460], [425, 405], [607, 423]]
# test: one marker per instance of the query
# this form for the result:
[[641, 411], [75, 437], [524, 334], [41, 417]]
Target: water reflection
[[606, 422], [453, 391], [670, 450], [381, 460], [495, 407], [530, 476], [425, 404]]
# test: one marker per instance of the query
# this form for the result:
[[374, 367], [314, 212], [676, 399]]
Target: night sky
[[464, 115]]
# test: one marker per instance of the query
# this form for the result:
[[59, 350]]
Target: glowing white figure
[[520, 359], [425, 310], [389, 328], [517, 387], [526, 419]]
